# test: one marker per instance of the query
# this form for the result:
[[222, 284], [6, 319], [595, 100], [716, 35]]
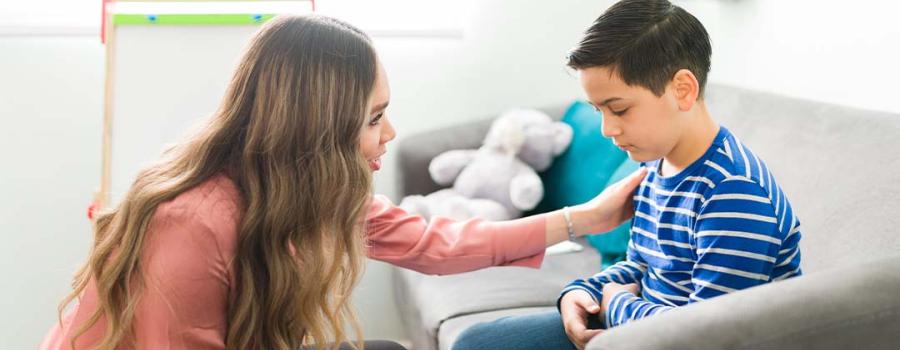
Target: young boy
[[709, 217]]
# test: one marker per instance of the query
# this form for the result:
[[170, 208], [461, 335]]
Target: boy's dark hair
[[646, 42]]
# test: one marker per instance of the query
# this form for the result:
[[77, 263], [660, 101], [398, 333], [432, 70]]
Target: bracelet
[[569, 226]]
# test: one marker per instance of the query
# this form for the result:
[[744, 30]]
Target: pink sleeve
[[443, 246]]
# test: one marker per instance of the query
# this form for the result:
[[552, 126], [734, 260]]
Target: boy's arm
[[624, 272], [738, 239], [737, 243]]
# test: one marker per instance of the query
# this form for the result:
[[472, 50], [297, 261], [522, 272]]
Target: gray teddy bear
[[498, 181]]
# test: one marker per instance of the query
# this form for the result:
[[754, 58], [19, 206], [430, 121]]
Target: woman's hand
[[610, 208]]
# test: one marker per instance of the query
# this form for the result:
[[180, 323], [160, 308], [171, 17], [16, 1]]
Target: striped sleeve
[[737, 240], [624, 307], [624, 272]]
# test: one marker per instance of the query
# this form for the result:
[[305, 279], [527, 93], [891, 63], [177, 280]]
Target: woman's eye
[[376, 119], [619, 113]]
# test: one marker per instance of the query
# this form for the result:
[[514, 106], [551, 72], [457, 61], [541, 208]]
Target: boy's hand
[[611, 289], [574, 308], [610, 208]]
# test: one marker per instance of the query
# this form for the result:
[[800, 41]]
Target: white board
[[167, 78]]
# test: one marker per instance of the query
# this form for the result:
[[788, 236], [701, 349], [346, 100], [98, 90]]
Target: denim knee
[[473, 337], [525, 332]]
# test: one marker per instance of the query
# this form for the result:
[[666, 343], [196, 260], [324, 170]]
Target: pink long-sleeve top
[[191, 242]]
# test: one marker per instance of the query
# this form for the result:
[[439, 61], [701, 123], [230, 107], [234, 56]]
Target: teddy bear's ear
[[562, 137]]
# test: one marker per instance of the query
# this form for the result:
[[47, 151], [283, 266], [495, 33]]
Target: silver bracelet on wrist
[[569, 226]]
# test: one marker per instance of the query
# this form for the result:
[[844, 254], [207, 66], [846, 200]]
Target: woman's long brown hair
[[287, 133]]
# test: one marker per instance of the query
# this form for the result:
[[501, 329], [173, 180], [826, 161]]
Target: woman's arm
[[444, 246]]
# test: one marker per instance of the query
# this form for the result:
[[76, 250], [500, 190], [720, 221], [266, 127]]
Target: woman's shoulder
[[216, 197], [208, 212]]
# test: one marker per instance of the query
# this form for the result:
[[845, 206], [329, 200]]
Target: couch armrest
[[851, 307]]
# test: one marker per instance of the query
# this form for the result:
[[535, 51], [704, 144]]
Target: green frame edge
[[190, 19]]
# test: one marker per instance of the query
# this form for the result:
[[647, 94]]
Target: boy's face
[[645, 126]]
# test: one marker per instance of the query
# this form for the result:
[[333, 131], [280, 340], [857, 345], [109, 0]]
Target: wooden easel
[[111, 18]]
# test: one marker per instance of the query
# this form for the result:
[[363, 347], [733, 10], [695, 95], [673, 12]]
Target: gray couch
[[840, 168]]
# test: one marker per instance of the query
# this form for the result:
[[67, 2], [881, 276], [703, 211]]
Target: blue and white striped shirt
[[720, 225]]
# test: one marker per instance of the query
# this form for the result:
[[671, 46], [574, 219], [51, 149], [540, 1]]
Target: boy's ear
[[686, 88]]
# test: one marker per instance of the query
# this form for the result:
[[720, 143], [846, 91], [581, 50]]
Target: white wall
[[510, 54], [51, 93], [843, 52]]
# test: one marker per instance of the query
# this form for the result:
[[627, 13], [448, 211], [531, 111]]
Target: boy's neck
[[694, 142]]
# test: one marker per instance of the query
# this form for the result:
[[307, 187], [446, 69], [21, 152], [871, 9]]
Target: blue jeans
[[370, 345], [535, 331]]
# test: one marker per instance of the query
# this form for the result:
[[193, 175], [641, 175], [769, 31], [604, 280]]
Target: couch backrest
[[416, 151], [839, 166]]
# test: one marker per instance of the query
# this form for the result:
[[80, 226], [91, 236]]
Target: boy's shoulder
[[727, 159], [732, 160], [728, 166]]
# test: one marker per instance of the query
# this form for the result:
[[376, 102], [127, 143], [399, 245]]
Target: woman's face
[[377, 131]]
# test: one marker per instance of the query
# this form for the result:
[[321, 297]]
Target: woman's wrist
[[584, 219], [570, 225], [581, 220]]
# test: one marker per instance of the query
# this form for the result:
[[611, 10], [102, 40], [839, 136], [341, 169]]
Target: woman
[[252, 232]]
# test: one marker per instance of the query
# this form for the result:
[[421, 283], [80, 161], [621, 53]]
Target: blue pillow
[[612, 245], [583, 171]]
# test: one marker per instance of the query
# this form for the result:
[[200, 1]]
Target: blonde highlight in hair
[[287, 133]]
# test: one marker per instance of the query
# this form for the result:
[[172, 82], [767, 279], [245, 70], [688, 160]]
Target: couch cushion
[[839, 166], [613, 244], [430, 300]]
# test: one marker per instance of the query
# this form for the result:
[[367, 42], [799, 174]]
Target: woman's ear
[[686, 88]]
